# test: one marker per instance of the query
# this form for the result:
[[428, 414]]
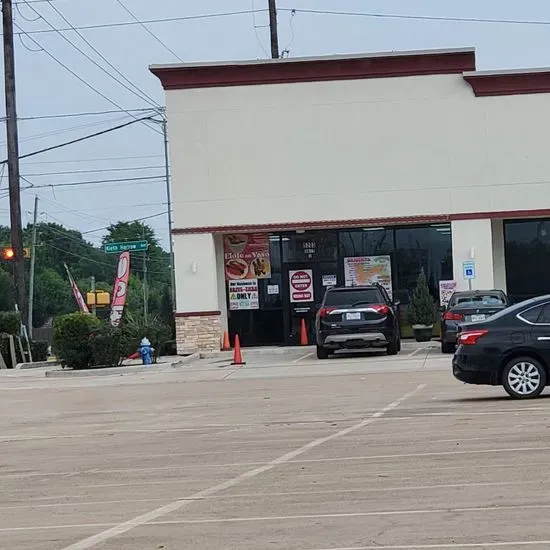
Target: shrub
[[10, 323], [39, 350], [72, 339], [108, 345], [5, 351], [422, 309]]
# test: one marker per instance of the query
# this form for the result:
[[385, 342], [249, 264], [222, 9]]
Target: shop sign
[[368, 270], [446, 290], [246, 256], [329, 280], [244, 294], [301, 285], [309, 248]]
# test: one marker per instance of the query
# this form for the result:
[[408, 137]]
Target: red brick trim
[[368, 222], [382, 65], [509, 83], [198, 314]]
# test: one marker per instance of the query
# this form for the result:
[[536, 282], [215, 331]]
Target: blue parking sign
[[469, 269]]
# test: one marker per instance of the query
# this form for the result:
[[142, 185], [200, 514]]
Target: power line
[[131, 88], [418, 17], [77, 140], [149, 31], [95, 182], [86, 83], [104, 159], [88, 113], [97, 170], [128, 221], [146, 21]]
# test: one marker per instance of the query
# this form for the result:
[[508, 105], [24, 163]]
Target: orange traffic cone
[[226, 346], [237, 356], [303, 333]]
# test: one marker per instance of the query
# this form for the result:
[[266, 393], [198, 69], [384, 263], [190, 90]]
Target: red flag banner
[[120, 289], [76, 292]]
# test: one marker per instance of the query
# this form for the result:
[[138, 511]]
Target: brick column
[[198, 332]]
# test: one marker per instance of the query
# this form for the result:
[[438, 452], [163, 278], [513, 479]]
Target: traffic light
[[8, 253]]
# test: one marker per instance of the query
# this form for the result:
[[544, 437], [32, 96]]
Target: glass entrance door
[[304, 289]]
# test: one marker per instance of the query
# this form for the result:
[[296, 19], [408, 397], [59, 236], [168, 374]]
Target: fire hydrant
[[146, 351]]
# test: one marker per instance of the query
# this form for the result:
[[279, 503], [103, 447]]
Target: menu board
[[246, 256], [368, 270]]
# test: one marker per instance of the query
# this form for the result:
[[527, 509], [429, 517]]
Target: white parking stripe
[[178, 504]]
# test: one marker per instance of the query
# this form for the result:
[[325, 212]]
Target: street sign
[[469, 269], [131, 246]]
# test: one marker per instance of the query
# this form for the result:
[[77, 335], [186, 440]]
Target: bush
[[10, 323], [422, 310], [5, 351], [39, 350], [73, 341], [108, 345]]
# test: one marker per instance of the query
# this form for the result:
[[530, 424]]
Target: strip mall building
[[292, 175]]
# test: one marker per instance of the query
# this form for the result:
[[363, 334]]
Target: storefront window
[[527, 248], [427, 247], [373, 241]]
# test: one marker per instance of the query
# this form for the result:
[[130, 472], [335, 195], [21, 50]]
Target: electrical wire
[[88, 113], [418, 17], [104, 159], [97, 170], [147, 21], [131, 87], [86, 83], [256, 29], [77, 140], [143, 179], [149, 31], [150, 217]]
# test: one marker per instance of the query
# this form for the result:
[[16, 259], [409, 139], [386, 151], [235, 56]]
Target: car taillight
[[381, 308], [450, 316], [324, 311], [470, 337]]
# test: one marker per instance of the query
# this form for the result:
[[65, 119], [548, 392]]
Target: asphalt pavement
[[286, 452]]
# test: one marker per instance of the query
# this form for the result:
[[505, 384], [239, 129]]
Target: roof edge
[[315, 69]]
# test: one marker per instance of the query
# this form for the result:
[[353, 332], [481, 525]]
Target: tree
[[53, 296], [422, 310]]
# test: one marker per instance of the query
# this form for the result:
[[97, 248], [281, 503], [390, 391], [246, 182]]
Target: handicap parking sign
[[469, 269]]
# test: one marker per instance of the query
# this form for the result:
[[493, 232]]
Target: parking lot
[[360, 452]]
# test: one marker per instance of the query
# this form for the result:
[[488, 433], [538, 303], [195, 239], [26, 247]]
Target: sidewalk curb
[[121, 371]]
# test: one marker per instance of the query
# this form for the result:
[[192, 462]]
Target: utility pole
[[31, 277], [273, 29], [13, 156], [169, 201]]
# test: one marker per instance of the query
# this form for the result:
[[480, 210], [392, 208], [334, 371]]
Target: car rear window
[[478, 300], [352, 296]]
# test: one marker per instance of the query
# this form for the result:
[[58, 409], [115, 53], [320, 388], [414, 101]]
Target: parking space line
[[303, 357], [544, 543], [417, 350], [283, 459]]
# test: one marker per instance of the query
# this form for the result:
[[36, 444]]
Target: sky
[[104, 67]]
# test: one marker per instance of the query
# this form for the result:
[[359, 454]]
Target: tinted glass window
[[352, 296], [532, 314], [544, 317], [489, 299]]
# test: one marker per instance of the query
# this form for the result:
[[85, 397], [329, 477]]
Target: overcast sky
[[45, 87]]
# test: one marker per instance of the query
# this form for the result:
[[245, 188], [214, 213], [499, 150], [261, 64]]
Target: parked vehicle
[[468, 306], [510, 348], [357, 317]]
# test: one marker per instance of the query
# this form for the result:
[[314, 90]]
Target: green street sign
[[131, 246]]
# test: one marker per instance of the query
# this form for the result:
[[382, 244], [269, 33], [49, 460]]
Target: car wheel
[[393, 347], [447, 347], [322, 353], [524, 378]]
